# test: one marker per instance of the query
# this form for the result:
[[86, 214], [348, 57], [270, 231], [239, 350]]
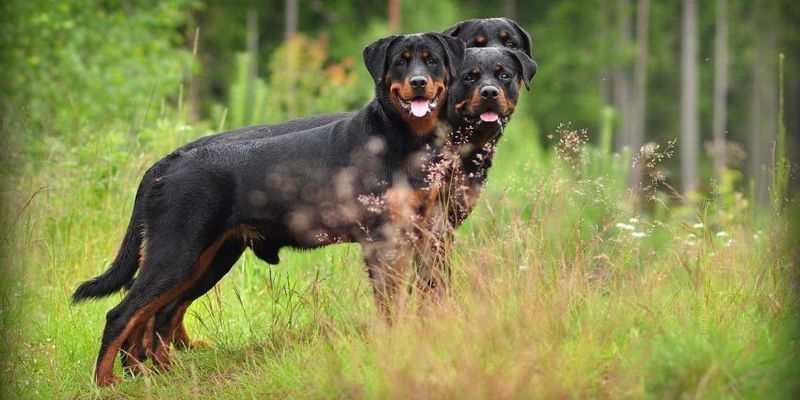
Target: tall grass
[[562, 287], [559, 290]]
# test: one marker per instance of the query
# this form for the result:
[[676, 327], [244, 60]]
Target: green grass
[[552, 297]]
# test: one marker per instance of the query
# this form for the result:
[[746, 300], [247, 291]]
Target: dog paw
[[108, 380]]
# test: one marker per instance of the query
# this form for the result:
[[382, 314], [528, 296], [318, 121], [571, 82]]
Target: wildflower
[[634, 220], [638, 234], [625, 227], [524, 267], [722, 234], [698, 226]]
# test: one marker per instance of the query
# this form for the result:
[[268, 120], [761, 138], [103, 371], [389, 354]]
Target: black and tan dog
[[487, 94], [304, 190], [483, 98]]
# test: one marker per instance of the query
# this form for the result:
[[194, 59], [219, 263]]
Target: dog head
[[492, 32], [412, 74], [487, 89]]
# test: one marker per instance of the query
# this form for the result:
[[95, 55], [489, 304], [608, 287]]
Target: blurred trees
[[720, 88], [690, 124]]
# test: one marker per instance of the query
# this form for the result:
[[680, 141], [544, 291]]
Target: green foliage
[[70, 65], [246, 94], [302, 81]]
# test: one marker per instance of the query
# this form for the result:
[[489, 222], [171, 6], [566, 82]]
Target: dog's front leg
[[387, 265], [432, 254]]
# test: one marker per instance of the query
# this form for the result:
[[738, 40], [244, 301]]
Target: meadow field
[[565, 284], [560, 290]]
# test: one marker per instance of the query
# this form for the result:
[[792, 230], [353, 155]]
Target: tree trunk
[[290, 22], [689, 108], [394, 16], [763, 100], [510, 8], [252, 70], [622, 79], [720, 88], [640, 87], [193, 92]]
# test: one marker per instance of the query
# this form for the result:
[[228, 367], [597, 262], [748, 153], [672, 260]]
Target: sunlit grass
[[559, 290]]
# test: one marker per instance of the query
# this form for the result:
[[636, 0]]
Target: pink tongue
[[419, 108], [488, 116]]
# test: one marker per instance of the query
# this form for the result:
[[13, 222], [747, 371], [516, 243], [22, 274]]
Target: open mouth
[[487, 116], [419, 106]]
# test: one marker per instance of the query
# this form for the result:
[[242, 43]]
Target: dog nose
[[489, 92], [418, 82]]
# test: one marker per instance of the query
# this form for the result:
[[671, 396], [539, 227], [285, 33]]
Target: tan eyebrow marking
[[426, 54], [480, 39], [475, 71], [406, 54], [497, 67], [504, 34]]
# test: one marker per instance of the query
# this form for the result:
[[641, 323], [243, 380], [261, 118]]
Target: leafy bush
[[302, 81], [88, 62]]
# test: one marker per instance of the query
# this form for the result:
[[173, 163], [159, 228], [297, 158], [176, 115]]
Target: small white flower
[[698, 226], [638, 234], [625, 227], [728, 243], [524, 267], [634, 220], [722, 234], [691, 236]]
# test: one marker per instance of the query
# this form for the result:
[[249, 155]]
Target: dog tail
[[121, 270], [120, 274]]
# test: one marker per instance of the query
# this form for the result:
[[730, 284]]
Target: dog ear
[[375, 57], [526, 37], [454, 50], [527, 66], [456, 29]]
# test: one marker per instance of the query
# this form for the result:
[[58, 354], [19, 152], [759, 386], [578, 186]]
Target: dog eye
[[469, 78], [432, 61], [505, 76], [511, 45], [400, 62]]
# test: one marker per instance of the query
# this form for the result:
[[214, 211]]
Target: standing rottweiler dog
[[304, 190], [483, 98], [487, 92]]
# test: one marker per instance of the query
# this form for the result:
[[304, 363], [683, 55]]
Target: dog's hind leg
[[168, 325], [133, 350], [170, 269]]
